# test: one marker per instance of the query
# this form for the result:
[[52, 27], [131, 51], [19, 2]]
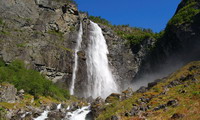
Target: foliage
[[29, 80], [98, 19], [185, 14]]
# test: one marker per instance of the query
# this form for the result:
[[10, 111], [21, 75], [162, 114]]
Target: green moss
[[21, 45], [67, 49], [57, 33], [29, 80], [1, 21], [4, 32]]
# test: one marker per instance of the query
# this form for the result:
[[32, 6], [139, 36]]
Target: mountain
[[41, 35]]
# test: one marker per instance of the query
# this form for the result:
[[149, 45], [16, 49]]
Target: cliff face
[[179, 43], [42, 33]]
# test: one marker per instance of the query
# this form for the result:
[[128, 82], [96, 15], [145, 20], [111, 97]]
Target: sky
[[153, 14]]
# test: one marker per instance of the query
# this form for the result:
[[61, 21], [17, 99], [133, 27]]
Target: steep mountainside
[[179, 43]]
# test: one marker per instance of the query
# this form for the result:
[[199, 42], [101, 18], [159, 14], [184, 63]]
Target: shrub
[[99, 20], [29, 80], [185, 14]]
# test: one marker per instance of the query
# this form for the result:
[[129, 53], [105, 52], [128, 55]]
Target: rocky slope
[[173, 97], [179, 43], [42, 33]]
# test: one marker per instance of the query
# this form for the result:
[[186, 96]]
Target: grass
[[29, 80], [188, 101], [21, 45], [1, 21], [57, 33]]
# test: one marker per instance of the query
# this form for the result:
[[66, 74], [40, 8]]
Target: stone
[[177, 116], [7, 93], [172, 103], [114, 117], [113, 97], [142, 89]]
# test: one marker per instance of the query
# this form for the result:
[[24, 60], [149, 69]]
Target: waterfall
[[75, 67], [100, 80], [79, 114]]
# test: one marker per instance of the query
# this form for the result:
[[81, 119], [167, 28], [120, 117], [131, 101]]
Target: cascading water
[[100, 80], [75, 68]]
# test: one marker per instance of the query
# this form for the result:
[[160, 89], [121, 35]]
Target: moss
[[4, 32], [1, 21], [21, 45], [67, 49], [57, 33]]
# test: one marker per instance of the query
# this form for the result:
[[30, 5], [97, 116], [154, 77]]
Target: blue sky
[[152, 14]]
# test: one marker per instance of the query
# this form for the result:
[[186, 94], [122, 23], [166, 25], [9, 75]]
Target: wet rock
[[53, 106], [55, 115], [142, 89], [96, 107]]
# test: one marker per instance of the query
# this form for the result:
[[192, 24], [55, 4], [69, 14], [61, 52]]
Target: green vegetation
[[56, 33], [98, 19], [2, 113], [66, 1], [29, 80], [21, 45], [187, 94], [185, 14], [1, 22], [133, 35]]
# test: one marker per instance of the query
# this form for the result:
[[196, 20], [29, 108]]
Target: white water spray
[[79, 114], [100, 79], [75, 68]]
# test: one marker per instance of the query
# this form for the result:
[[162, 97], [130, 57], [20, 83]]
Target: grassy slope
[[188, 102], [29, 80]]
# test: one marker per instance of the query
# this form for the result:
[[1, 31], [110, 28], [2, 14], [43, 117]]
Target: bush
[[185, 14], [99, 20], [29, 80]]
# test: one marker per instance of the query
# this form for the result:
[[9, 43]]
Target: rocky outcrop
[[7, 93], [42, 33], [162, 99], [178, 45]]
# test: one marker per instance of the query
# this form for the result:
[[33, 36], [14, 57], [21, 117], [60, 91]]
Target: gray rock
[[7, 93]]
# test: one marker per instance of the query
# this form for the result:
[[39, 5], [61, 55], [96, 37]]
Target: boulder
[[7, 93]]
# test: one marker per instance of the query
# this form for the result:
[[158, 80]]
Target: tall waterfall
[[75, 67], [100, 80]]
